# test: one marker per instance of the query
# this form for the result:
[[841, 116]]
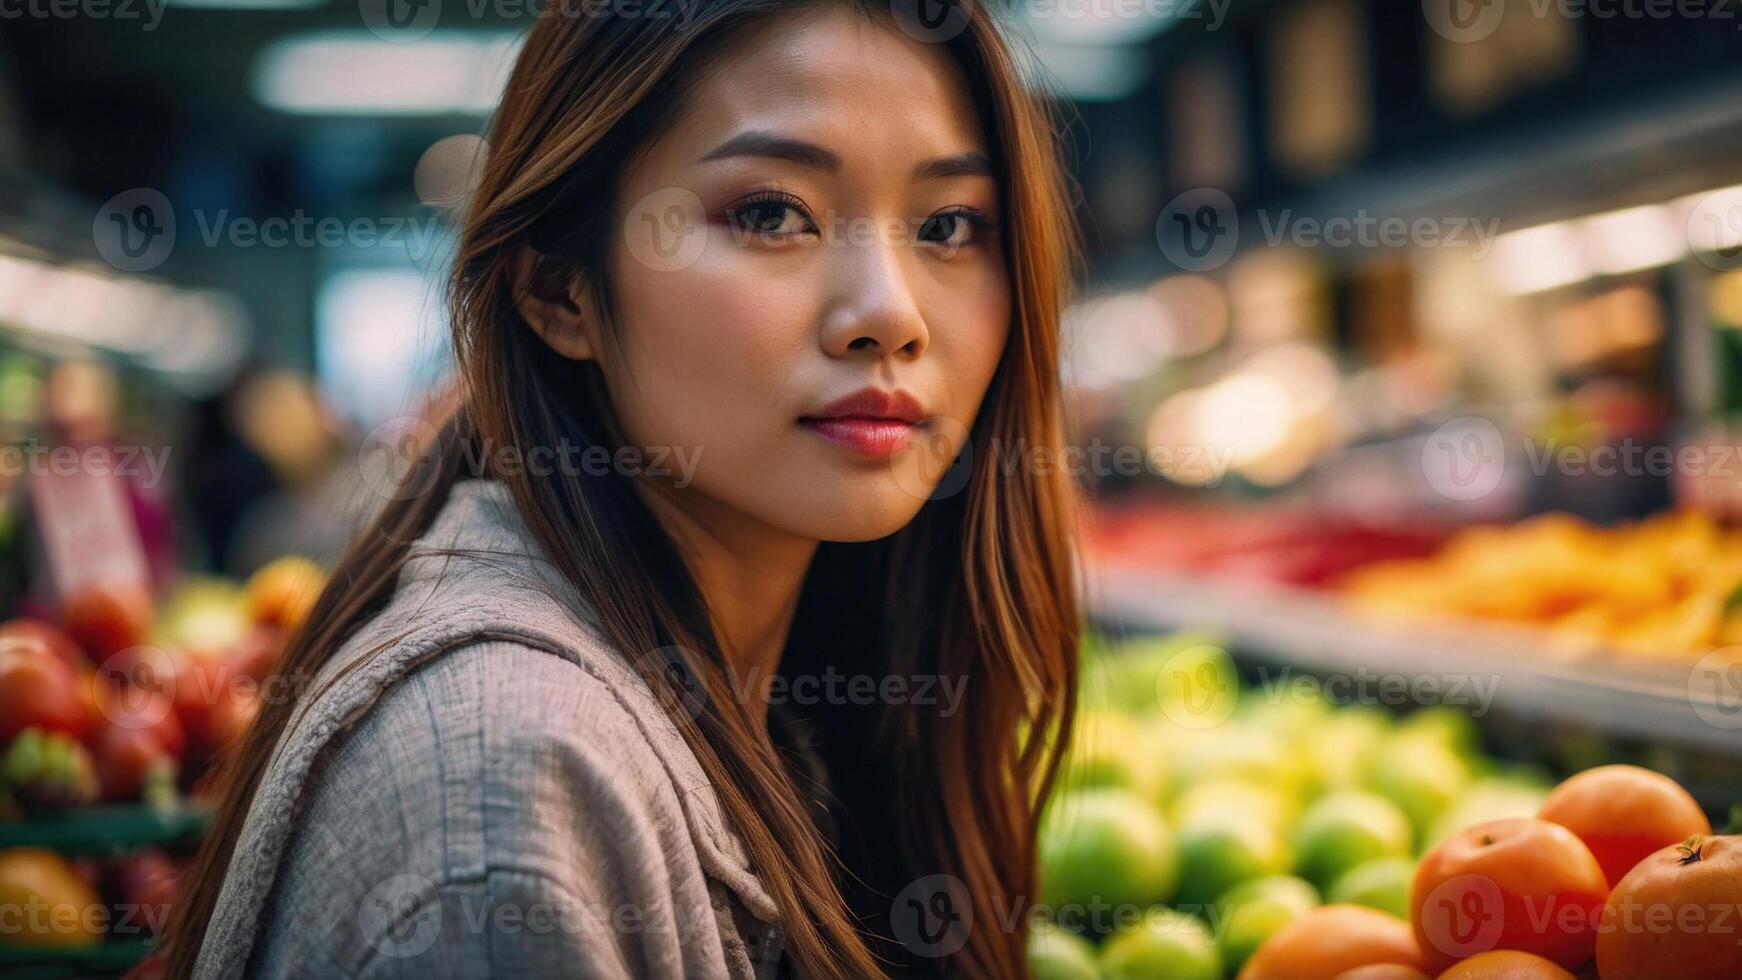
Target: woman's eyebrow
[[762, 143]]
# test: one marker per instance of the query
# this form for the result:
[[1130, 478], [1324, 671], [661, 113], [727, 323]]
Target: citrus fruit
[[1624, 813], [1331, 940], [1676, 914], [1518, 884]]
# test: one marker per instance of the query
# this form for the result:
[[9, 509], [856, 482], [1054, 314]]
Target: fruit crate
[[103, 830], [95, 831], [109, 959]]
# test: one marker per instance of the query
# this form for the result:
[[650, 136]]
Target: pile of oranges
[[1619, 874]]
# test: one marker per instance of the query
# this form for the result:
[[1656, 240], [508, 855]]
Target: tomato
[[38, 690], [1624, 813], [108, 617], [1506, 964], [205, 690], [232, 714], [49, 637], [1678, 913], [1519, 884], [133, 707], [257, 654], [128, 759], [148, 881], [1331, 940]]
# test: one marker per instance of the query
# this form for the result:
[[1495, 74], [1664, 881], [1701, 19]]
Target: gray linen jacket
[[493, 792]]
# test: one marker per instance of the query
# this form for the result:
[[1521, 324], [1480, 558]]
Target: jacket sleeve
[[497, 813]]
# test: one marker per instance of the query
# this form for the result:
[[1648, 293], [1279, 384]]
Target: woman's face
[[820, 221]]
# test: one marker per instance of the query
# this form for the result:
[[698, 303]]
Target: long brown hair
[[980, 586]]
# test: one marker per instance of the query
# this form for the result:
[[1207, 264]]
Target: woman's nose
[[873, 307]]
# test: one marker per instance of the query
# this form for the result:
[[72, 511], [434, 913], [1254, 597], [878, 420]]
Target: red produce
[[132, 763], [108, 617], [53, 639], [38, 690]]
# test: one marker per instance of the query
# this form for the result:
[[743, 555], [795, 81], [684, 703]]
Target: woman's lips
[[877, 437]]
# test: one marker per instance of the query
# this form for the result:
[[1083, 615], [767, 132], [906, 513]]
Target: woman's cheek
[[710, 354]]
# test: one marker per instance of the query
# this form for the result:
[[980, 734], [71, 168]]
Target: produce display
[[1203, 829], [109, 721], [1664, 587]]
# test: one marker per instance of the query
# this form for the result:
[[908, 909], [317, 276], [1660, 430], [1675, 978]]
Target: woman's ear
[[560, 311]]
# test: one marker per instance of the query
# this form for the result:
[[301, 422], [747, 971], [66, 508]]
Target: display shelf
[[106, 959], [100, 830], [1669, 702]]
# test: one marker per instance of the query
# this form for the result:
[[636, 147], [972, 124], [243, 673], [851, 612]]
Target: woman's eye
[[772, 218], [953, 229]]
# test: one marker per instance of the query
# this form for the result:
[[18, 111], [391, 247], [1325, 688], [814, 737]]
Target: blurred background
[[1411, 342]]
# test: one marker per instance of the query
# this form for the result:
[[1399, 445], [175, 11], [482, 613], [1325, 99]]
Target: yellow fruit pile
[[1661, 588]]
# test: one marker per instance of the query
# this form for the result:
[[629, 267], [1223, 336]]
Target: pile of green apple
[[1194, 817]]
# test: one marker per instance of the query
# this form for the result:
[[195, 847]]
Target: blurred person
[[535, 683], [223, 473], [319, 504]]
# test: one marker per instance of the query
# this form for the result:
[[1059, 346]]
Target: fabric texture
[[477, 784]]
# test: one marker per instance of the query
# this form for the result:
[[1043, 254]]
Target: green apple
[[1452, 726], [1419, 774], [1165, 944], [1054, 954], [1250, 912], [1111, 750], [1347, 828], [1291, 706], [1487, 799], [1239, 752], [1295, 892], [1105, 846], [1382, 883], [1217, 853], [1338, 748], [1208, 799], [1187, 677]]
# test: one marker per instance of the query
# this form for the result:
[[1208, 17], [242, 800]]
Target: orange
[[1330, 941], [1517, 884], [1506, 964], [1678, 913], [1623, 813], [1383, 971]]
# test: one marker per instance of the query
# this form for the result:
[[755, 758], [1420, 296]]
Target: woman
[[777, 689]]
